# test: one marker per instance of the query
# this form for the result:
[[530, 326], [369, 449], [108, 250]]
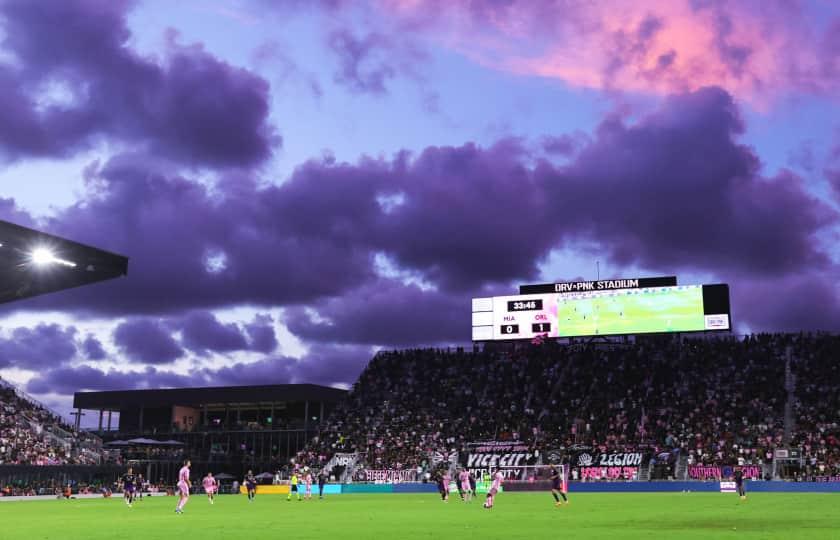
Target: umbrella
[[224, 476], [171, 442], [118, 443], [265, 476], [143, 441]]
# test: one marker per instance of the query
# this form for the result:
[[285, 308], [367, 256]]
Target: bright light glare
[[43, 256]]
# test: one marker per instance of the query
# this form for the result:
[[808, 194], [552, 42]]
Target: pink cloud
[[756, 50]]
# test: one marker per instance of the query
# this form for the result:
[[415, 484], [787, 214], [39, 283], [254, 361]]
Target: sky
[[301, 183]]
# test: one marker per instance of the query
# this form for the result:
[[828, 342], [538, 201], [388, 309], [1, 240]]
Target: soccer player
[[183, 487], [322, 479], [128, 482], [738, 476], [210, 486], [557, 486], [494, 488], [251, 485], [307, 482], [139, 490], [472, 485], [293, 486], [443, 485], [464, 485]]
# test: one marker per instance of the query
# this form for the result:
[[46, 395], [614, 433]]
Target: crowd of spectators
[[32, 435], [714, 401], [816, 368]]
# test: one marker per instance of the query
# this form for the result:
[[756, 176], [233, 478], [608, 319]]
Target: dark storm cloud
[[92, 348], [202, 332], [147, 341], [75, 78], [39, 347]]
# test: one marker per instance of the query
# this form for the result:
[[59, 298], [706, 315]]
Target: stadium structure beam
[[34, 263]]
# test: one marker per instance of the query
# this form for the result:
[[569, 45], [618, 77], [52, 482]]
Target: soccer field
[[408, 517]]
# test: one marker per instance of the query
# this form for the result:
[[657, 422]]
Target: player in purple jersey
[[250, 485], [495, 486], [558, 485], [128, 483], [183, 487]]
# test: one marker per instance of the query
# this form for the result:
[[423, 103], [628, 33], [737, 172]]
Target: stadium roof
[[33, 263], [116, 399]]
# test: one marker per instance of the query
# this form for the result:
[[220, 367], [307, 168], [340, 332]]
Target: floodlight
[[42, 256]]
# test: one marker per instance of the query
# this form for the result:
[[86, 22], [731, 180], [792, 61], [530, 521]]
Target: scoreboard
[[684, 308]]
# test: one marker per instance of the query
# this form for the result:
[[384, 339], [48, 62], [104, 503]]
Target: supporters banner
[[715, 472], [827, 479], [609, 473], [481, 457], [593, 458], [389, 476]]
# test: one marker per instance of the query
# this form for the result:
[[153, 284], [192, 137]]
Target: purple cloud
[[644, 194], [261, 336], [328, 365], [67, 380], [202, 332], [92, 348], [191, 106], [38, 347], [147, 341], [651, 195], [359, 69], [366, 63], [386, 313]]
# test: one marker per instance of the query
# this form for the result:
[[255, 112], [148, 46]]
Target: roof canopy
[[33, 263]]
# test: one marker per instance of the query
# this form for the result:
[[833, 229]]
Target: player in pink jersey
[[307, 481], [498, 478], [210, 486], [445, 479], [183, 487], [464, 485]]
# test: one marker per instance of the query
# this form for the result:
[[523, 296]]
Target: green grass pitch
[[640, 311], [422, 516]]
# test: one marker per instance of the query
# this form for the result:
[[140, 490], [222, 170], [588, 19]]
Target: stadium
[[406, 269]]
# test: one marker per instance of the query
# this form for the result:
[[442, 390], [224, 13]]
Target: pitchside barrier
[[758, 486], [574, 487]]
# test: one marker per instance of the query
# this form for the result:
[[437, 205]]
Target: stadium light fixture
[[41, 256]]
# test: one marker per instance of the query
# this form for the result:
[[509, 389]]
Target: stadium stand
[[30, 434], [714, 401], [711, 402]]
